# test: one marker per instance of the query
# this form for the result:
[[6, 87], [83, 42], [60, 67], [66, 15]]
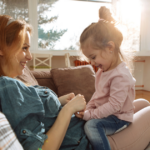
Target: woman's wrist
[[68, 109]]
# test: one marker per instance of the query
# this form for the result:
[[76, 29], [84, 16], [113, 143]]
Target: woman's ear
[[1, 53], [111, 46]]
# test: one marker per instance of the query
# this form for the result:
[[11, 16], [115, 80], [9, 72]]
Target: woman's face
[[19, 62]]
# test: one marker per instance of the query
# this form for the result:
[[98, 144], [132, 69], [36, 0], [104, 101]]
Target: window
[[68, 18], [62, 22], [58, 23]]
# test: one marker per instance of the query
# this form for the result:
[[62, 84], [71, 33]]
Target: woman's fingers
[[78, 103], [70, 96]]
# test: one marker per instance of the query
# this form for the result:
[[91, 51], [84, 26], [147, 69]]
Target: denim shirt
[[32, 111]]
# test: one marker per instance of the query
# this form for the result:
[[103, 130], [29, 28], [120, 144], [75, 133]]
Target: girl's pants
[[98, 129]]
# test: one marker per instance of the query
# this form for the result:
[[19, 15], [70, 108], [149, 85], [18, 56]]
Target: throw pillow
[[79, 80]]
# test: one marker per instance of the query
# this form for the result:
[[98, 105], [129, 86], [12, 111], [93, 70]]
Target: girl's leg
[[98, 129]]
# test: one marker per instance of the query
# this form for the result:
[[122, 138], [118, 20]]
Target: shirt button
[[24, 131], [45, 92], [78, 142]]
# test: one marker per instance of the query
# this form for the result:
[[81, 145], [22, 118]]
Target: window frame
[[33, 20]]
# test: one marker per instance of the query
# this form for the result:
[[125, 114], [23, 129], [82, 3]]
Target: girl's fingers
[[78, 116], [81, 113]]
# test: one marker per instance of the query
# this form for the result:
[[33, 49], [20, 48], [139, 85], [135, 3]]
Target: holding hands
[[76, 104], [80, 114]]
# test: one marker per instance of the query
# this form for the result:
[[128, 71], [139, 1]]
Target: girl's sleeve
[[119, 90]]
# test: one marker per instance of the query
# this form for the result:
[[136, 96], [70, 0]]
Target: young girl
[[111, 106]]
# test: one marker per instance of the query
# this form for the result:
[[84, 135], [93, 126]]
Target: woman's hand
[[77, 104], [66, 98]]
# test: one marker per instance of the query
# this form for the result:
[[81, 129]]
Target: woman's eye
[[25, 48]]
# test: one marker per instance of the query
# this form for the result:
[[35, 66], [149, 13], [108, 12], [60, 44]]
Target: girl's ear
[[1, 53], [111, 46]]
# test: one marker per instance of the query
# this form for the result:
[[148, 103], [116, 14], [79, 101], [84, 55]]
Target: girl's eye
[[93, 57]]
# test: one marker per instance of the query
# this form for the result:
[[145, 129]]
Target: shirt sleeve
[[118, 94], [90, 105]]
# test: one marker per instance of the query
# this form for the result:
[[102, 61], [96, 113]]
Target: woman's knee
[[140, 104]]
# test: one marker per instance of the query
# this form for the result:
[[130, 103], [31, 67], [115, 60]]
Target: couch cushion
[[44, 78], [79, 80], [28, 77]]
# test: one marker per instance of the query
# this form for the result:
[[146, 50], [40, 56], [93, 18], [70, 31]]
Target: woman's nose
[[29, 56]]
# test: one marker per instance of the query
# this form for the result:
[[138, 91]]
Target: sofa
[[81, 80]]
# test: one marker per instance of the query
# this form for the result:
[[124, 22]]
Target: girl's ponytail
[[105, 14]]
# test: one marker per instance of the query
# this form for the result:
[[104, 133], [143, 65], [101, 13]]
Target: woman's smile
[[23, 64]]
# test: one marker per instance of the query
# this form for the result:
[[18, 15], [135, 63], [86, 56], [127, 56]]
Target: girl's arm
[[57, 132]]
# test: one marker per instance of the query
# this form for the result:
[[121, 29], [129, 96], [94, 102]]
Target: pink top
[[114, 95]]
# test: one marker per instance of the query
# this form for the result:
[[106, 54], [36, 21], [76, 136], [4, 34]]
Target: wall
[[141, 69], [146, 77]]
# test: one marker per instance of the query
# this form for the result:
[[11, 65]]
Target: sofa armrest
[[8, 137], [44, 78]]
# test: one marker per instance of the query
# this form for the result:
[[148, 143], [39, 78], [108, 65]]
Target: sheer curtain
[[128, 14]]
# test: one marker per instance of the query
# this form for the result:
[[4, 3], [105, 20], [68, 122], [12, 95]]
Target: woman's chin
[[21, 72]]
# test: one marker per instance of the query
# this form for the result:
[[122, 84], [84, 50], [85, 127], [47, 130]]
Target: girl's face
[[104, 59], [20, 60]]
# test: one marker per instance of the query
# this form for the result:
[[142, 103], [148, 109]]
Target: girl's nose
[[29, 56], [92, 62]]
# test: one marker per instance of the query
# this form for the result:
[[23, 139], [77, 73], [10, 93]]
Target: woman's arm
[[57, 132]]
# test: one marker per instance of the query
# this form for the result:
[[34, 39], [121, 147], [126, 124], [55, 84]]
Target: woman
[[34, 112]]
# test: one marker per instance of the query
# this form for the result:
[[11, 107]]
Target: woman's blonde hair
[[100, 33], [12, 36]]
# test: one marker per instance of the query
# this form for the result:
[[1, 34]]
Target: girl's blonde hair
[[12, 36], [100, 33]]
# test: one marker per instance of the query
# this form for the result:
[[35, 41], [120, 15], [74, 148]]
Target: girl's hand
[[79, 114], [77, 104], [66, 98]]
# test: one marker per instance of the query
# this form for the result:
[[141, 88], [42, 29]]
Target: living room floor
[[143, 94]]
